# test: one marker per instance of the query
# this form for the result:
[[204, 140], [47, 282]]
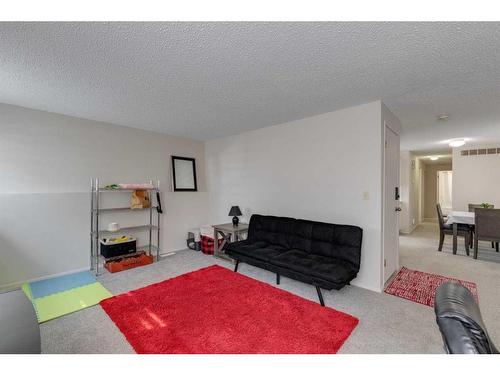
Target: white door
[[391, 203]]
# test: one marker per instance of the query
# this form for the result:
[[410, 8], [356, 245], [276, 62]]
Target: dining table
[[459, 217]]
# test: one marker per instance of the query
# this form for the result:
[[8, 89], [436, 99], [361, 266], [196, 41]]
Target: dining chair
[[472, 208], [487, 223], [444, 229]]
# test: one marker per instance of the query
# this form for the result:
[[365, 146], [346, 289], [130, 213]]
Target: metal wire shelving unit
[[96, 233]]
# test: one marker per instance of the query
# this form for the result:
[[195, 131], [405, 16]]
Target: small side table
[[229, 233]]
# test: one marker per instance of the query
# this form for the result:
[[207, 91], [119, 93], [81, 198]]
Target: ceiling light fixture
[[443, 117], [457, 143], [434, 157]]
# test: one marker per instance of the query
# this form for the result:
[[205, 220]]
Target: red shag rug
[[421, 287], [215, 310]]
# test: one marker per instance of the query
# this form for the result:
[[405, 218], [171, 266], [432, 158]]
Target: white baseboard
[[172, 252], [409, 231], [16, 285]]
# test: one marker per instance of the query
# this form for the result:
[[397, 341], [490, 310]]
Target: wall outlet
[[366, 196], [413, 221]]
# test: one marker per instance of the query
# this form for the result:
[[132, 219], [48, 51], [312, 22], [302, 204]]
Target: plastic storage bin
[[113, 247]]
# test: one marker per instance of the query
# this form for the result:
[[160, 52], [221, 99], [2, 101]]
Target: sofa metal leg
[[278, 278], [236, 266], [320, 296]]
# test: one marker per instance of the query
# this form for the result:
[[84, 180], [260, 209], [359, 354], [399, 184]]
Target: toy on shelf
[[112, 187], [139, 200], [146, 186]]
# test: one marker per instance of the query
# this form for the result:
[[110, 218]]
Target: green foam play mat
[[66, 302]]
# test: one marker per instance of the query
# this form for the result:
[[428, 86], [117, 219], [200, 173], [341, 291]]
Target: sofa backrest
[[271, 229], [342, 242]]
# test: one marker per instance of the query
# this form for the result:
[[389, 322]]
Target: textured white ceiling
[[206, 80]]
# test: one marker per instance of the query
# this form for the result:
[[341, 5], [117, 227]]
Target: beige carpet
[[388, 324]]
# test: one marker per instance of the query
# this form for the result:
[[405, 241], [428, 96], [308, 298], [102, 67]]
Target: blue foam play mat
[[59, 284]]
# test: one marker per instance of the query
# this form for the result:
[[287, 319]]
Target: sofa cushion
[[267, 253], [342, 242], [258, 250], [244, 246], [271, 229], [319, 266]]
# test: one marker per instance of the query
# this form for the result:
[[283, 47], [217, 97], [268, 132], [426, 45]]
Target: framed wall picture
[[184, 174]]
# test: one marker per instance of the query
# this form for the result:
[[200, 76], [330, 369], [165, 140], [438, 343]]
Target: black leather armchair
[[460, 321]]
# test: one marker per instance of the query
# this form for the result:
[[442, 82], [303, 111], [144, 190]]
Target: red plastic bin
[[128, 262], [207, 244]]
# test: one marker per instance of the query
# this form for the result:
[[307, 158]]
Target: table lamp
[[235, 212]]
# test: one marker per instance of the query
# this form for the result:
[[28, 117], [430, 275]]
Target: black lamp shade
[[235, 211]]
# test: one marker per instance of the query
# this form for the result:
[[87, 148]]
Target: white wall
[[316, 168], [46, 162], [476, 179]]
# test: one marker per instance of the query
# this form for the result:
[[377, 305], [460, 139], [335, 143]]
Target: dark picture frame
[[184, 173]]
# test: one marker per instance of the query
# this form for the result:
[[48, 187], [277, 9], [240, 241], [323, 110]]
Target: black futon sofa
[[324, 255]]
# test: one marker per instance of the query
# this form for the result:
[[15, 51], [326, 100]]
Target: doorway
[[444, 190], [434, 180]]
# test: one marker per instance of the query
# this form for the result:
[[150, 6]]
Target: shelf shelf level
[[140, 250], [136, 228], [102, 190], [118, 209], [145, 248]]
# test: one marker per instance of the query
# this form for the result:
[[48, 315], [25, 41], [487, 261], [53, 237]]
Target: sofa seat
[[318, 266], [260, 250]]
